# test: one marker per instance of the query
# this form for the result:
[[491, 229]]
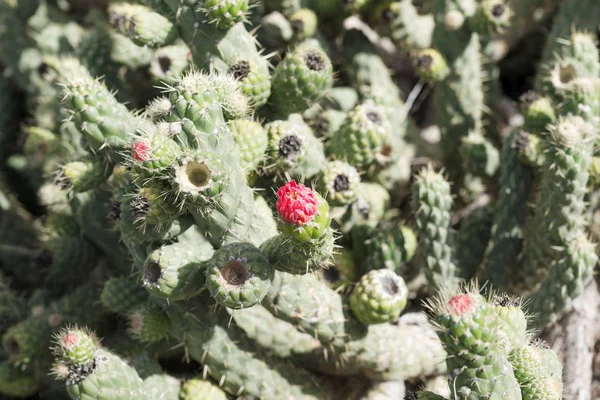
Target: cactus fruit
[[379, 296]]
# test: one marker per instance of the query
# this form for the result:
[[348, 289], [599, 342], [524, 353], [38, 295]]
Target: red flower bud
[[296, 203]]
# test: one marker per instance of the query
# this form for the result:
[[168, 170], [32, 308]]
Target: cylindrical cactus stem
[[104, 122], [230, 358], [141, 24], [148, 324], [510, 215], [379, 296], [123, 295], [432, 205], [301, 79], [406, 26], [567, 278], [560, 212], [466, 324], [390, 245], [175, 271], [238, 276], [472, 240], [479, 156], [536, 370], [251, 140], [530, 149]]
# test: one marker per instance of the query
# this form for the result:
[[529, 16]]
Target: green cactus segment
[[538, 113], [361, 138], [71, 255], [272, 334], [577, 16], [303, 23], [106, 377], [432, 205], [427, 395], [148, 324], [391, 247], [199, 389], [343, 272], [531, 149], [75, 346], [103, 121], [233, 361], [174, 271], [121, 295], [510, 216], [459, 98], [84, 175], [251, 140], [301, 79], [536, 373], [512, 322], [286, 145], [472, 240], [490, 17], [479, 156], [238, 276], [338, 183], [430, 64], [406, 26], [162, 387], [154, 151], [169, 62], [27, 340], [254, 79], [15, 382], [479, 368], [567, 278], [225, 13], [287, 254], [560, 213], [378, 297], [143, 26]]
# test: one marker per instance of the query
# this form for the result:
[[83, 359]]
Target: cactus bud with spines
[[378, 297], [121, 295], [538, 112], [75, 345], [301, 79], [286, 145], [304, 23], [254, 79], [430, 64], [225, 13], [85, 174], [338, 183], [141, 24], [169, 62], [238, 276], [148, 324], [491, 17]]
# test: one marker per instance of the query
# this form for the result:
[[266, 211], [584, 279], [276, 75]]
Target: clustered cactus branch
[[214, 199]]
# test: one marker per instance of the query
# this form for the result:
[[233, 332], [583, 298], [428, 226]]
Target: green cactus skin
[[251, 140], [361, 137], [15, 382], [153, 151], [101, 119], [84, 175], [125, 52], [567, 278], [72, 255], [530, 149], [238, 276], [472, 240], [389, 246], [272, 334], [122, 295], [226, 13], [143, 26], [479, 155], [536, 375], [174, 271], [432, 205], [169, 62], [162, 387], [429, 64], [232, 361], [27, 340], [327, 123], [12, 306], [314, 160], [199, 389], [407, 28], [148, 324], [538, 113], [577, 16], [478, 366], [378, 297], [510, 216], [287, 254], [304, 23], [512, 321], [300, 80], [491, 17], [560, 212], [254, 79]]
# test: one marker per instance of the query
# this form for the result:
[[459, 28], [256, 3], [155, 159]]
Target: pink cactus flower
[[296, 203]]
